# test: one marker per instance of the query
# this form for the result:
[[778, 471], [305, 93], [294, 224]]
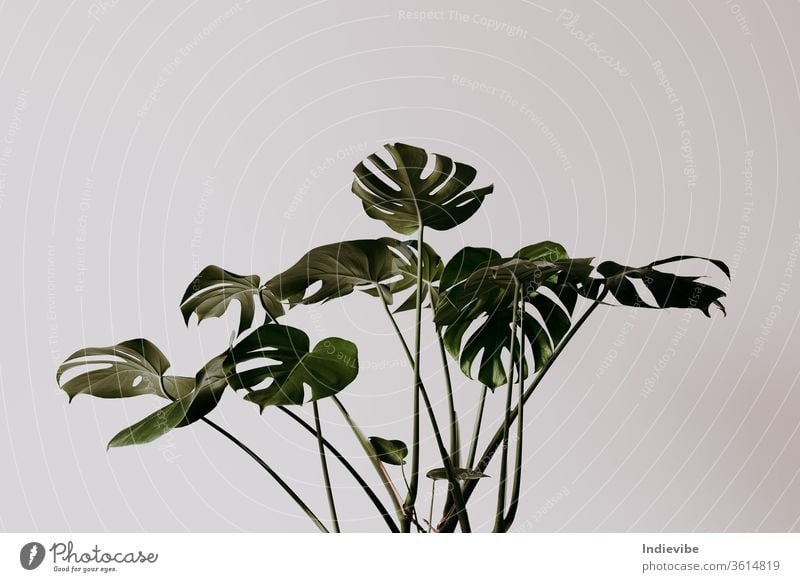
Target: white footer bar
[[386, 557]]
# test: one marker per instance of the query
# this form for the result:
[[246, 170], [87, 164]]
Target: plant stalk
[[476, 431], [261, 463], [430, 512], [455, 433], [385, 514], [514, 503], [448, 521], [295, 497], [408, 506], [501, 487], [455, 436], [370, 451], [324, 465], [457, 498]]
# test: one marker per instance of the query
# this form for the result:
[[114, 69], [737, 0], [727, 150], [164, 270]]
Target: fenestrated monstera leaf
[[477, 291], [667, 289], [405, 197], [212, 291], [384, 265], [391, 452], [207, 389], [131, 368], [457, 310], [281, 355], [134, 368]]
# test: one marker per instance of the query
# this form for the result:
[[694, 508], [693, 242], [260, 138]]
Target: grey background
[[142, 141]]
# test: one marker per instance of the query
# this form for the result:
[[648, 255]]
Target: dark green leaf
[[478, 290], [464, 263], [384, 266], [667, 289], [490, 340], [440, 474], [403, 196], [280, 356], [131, 368], [212, 291], [391, 452], [208, 386]]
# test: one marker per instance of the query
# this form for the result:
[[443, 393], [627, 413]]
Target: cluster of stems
[[455, 514]]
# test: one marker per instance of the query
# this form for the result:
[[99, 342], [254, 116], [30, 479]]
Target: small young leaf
[[391, 452], [461, 474]]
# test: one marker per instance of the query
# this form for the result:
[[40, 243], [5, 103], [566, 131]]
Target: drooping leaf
[[668, 290], [391, 452], [385, 266], [137, 367], [281, 356], [440, 474], [208, 386], [212, 291], [404, 196], [130, 368]]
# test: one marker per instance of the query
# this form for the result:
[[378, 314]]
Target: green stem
[[514, 503], [324, 464], [455, 433], [385, 514], [387, 479], [414, 519], [430, 512], [345, 463], [476, 431], [501, 488], [271, 472], [458, 498], [260, 461], [448, 522], [408, 506], [370, 451], [458, 501]]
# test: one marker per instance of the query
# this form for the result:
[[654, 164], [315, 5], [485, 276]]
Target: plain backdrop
[[143, 141]]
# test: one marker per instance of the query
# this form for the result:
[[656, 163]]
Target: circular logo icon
[[31, 555]]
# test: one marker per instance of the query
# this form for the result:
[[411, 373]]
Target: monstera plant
[[502, 319]]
